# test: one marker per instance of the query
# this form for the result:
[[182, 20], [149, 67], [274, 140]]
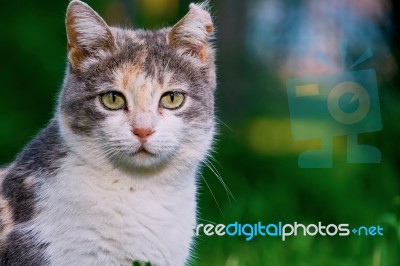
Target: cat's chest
[[91, 217]]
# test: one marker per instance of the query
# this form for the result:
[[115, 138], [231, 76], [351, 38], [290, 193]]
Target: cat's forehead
[[142, 52], [143, 47], [146, 38]]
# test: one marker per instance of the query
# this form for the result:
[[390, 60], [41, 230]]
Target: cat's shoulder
[[20, 181], [6, 213], [20, 184], [3, 172]]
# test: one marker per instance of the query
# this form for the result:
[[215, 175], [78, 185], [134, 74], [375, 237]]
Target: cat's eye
[[113, 100], [172, 100]]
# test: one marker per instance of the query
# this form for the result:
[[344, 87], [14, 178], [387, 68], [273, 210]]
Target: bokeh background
[[261, 44]]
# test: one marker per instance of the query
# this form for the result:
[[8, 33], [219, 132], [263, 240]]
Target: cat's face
[[139, 98]]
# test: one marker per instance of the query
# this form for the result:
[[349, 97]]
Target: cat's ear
[[87, 33], [193, 32]]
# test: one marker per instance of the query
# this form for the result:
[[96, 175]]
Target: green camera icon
[[343, 104]]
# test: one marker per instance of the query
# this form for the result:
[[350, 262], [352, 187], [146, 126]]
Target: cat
[[112, 178]]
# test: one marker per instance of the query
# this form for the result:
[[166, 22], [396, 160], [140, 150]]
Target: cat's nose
[[142, 133]]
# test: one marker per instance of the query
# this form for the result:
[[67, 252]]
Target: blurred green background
[[261, 43]]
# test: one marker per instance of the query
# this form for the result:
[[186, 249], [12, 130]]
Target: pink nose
[[142, 133]]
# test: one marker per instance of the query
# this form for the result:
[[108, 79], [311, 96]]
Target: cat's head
[[139, 98]]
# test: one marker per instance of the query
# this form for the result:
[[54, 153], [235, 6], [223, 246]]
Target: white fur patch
[[99, 216]]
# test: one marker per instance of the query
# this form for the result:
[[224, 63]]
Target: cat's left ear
[[87, 33], [193, 32]]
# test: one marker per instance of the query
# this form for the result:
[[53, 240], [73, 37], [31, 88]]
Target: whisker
[[214, 170], [224, 124], [208, 221], [212, 194], [218, 175]]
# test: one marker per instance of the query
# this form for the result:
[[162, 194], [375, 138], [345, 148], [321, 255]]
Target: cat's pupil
[[114, 96], [172, 97]]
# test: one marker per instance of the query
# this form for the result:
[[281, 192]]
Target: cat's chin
[[144, 158], [140, 160], [143, 152]]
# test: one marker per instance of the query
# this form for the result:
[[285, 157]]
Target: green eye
[[113, 100], [172, 100]]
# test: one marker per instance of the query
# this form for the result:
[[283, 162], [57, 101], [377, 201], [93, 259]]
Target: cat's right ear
[[87, 33], [193, 32]]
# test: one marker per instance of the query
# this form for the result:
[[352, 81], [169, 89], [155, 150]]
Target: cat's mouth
[[142, 151]]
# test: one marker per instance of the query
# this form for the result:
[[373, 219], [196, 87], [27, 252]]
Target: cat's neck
[[133, 216], [101, 173]]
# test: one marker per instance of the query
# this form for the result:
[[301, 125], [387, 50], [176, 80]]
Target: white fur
[[90, 218]]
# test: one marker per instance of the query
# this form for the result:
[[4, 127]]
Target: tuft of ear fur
[[193, 32], [87, 33]]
